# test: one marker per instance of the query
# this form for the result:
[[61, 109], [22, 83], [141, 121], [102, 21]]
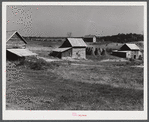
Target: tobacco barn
[[16, 46], [128, 51], [71, 48]]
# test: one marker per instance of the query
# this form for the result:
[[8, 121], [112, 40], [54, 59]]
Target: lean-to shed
[[72, 47], [16, 46], [129, 51], [15, 40]]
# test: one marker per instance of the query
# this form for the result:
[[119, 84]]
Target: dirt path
[[48, 59], [114, 60], [79, 64], [85, 65], [139, 66]]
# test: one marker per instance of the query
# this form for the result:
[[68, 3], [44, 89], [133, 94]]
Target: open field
[[92, 84], [70, 87]]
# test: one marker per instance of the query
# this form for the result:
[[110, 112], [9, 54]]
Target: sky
[[57, 21]]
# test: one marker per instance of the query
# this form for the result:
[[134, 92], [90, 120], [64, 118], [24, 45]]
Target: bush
[[37, 64]]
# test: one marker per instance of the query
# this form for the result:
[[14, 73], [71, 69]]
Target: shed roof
[[77, 42], [61, 49], [21, 52], [133, 46], [9, 34]]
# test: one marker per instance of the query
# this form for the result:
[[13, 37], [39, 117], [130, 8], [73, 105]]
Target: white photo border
[[67, 115]]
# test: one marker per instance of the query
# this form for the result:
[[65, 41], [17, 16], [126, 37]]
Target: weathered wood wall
[[67, 53], [79, 53], [135, 54], [120, 54], [15, 42], [88, 39]]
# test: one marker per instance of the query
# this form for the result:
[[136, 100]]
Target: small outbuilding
[[15, 40], [16, 46], [91, 38], [71, 48], [128, 51]]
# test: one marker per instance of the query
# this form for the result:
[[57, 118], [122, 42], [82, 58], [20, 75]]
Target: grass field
[[73, 85], [68, 87]]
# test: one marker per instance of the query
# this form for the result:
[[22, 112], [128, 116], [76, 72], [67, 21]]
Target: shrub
[[37, 64]]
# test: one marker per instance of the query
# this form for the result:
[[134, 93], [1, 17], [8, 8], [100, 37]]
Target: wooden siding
[[79, 53], [128, 54], [135, 54], [15, 42], [67, 53], [88, 39], [120, 54]]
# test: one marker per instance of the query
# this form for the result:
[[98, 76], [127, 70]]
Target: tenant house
[[128, 51], [16, 46], [91, 38], [71, 48]]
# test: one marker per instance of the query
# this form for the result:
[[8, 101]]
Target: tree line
[[122, 38]]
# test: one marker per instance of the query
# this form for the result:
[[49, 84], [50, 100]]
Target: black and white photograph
[[74, 60]]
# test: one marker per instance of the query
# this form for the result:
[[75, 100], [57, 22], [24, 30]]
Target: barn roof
[[21, 52], [133, 46], [61, 49], [77, 42], [9, 34]]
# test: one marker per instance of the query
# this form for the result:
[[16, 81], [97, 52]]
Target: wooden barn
[[128, 51], [90, 39], [16, 46], [71, 48]]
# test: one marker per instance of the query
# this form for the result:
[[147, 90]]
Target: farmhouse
[[128, 51], [16, 46], [91, 38], [71, 48]]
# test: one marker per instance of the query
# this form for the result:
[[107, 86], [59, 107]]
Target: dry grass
[[70, 87], [94, 85]]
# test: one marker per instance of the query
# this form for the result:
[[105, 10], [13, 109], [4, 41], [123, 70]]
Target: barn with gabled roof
[[72, 47], [16, 46], [15, 40], [128, 51]]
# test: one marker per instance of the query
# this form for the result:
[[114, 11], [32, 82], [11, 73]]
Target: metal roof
[[21, 52], [9, 34], [61, 49], [133, 46], [77, 42]]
